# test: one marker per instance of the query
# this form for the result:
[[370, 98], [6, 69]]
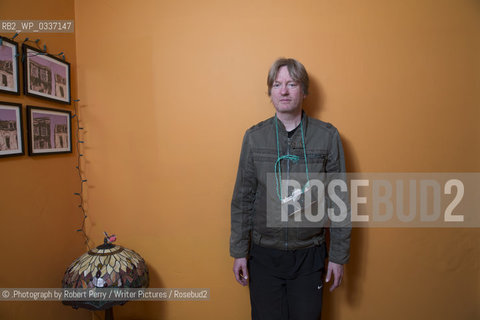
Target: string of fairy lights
[[78, 141], [36, 43]]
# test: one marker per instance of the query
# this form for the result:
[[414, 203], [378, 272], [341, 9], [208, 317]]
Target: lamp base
[[109, 313]]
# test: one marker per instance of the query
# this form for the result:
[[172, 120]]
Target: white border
[[15, 69], [19, 131], [50, 96], [37, 151]]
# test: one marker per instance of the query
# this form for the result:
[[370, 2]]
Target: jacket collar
[[281, 126]]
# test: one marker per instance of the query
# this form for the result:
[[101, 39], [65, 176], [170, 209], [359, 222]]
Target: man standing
[[284, 264]]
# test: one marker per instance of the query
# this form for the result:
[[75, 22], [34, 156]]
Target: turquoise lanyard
[[294, 158]]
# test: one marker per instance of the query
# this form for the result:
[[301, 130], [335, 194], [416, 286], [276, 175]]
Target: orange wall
[[168, 88], [39, 213]]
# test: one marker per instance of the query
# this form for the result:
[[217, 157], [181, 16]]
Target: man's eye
[[292, 85], [276, 85]]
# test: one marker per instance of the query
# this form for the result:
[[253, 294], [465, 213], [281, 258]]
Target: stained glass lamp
[[106, 266]]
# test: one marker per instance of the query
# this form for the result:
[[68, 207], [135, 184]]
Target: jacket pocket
[[264, 155]]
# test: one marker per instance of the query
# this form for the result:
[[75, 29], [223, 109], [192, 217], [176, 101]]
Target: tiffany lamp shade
[[106, 266]]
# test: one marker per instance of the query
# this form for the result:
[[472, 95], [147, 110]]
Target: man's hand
[[240, 270], [337, 270]]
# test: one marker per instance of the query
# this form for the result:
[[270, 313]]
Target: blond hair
[[295, 69]]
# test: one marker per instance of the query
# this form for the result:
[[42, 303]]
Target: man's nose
[[284, 90]]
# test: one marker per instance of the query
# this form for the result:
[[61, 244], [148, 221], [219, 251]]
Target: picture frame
[[45, 76], [49, 131], [11, 133], [9, 72]]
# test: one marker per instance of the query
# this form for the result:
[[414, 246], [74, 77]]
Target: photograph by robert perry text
[[49, 131], [45, 76], [11, 136], [9, 66]]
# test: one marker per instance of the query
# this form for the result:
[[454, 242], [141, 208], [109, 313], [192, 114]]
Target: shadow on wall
[[314, 101], [354, 270]]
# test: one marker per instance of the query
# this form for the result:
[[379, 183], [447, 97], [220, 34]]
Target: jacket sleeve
[[243, 199], [339, 230]]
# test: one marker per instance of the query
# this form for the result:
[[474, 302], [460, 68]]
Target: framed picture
[[9, 78], [49, 131], [11, 135], [45, 76]]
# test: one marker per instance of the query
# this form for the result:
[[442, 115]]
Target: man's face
[[286, 94]]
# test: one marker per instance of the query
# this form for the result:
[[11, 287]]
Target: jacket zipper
[[288, 177]]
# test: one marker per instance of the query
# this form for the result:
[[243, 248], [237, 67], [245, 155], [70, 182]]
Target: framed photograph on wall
[[49, 131], [45, 76], [11, 134], [9, 77]]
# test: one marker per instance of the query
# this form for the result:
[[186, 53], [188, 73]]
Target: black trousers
[[279, 295]]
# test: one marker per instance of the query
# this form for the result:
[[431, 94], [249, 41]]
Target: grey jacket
[[254, 185]]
